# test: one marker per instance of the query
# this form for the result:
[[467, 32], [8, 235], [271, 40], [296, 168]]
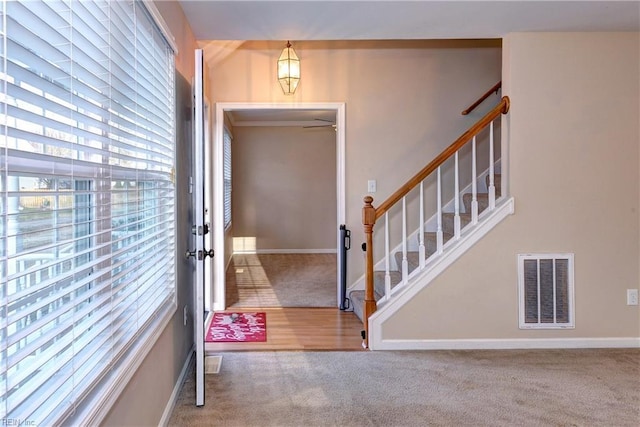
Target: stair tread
[[434, 235], [497, 182], [396, 276], [413, 257], [465, 215], [482, 199], [357, 302], [478, 196], [359, 295], [378, 280]]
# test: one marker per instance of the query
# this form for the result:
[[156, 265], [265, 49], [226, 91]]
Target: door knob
[[210, 253], [199, 254]]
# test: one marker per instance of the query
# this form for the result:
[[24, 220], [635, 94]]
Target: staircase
[[357, 297], [474, 214]]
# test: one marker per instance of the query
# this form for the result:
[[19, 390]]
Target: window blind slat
[[93, 124], [149, 245], [41, 164], [86, 70], [84, 150], [70, 292], [70, 66], [55, 347], [90, 105]]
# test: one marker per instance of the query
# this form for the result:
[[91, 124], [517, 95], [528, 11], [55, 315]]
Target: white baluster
[[474, 184], [387, 276], [439, 236], [405, 262], [492, 187], [421, 250], [456, 217]]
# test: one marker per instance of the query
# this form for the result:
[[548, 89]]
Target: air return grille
[[545, 284]]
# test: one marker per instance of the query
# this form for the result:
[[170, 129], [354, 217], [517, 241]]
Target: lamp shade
[[288, 70]]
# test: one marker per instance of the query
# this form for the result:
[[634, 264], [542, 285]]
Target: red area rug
[[237, 327]]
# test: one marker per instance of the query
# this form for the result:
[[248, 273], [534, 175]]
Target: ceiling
[[414, 19], [221, 27]]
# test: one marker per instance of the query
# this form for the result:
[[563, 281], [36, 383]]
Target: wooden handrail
[[473, 106], [501, 108]]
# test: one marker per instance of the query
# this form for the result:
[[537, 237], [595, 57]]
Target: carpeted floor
[[282, 280], [440, 388]]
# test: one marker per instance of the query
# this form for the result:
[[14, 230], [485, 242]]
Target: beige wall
[[284, 187], [574, 172], [403, 102], [145, 397]]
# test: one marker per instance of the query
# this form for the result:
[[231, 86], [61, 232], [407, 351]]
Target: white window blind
[[227, 177], [87, 143]]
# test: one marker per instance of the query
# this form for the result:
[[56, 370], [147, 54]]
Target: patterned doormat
[[237, 327]]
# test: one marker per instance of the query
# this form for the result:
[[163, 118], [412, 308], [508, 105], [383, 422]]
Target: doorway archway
[[215, 193]]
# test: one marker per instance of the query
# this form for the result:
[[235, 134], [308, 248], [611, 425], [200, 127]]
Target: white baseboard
[[168, 410], [287, 251], [507, 344]]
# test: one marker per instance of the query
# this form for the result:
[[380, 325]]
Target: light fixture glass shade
[[288, 70]]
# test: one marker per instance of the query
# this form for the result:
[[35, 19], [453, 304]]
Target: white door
[[199, 230]]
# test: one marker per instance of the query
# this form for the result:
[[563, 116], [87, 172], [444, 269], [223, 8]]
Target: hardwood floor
[[294, 328]]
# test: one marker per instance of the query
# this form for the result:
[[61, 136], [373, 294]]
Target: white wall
[[574, 136]]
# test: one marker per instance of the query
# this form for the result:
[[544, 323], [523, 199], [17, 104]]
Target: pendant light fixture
[[288, 70]]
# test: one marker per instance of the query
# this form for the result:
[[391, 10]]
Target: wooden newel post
[[368, 220]]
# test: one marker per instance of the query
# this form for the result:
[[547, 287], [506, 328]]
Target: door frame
[[219, 268]]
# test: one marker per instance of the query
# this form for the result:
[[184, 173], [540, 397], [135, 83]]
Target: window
[[227, 177], [546, 291], [87, 143]]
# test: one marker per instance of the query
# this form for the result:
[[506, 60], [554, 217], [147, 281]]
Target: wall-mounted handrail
[[371, 214], [480, 100]]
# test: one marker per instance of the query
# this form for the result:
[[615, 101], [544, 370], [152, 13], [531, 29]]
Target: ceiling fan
[[328, 123]]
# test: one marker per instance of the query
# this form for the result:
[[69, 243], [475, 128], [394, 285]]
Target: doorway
[[223, 243]]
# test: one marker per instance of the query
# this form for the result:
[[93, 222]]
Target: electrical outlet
[[185, 313], [632, 297]]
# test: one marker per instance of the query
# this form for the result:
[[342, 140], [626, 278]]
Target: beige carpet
[[440, 388], [282, 280]]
